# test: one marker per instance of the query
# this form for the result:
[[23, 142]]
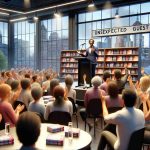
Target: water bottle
[[70, 132]]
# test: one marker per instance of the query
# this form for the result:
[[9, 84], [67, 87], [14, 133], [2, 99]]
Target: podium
[[84, 67]]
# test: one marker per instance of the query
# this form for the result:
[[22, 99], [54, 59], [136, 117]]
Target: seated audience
[[68, 88], [121, 81], [35, 105], [54, 82], [113, 99], [28, 130], [15, 91], [91, 93], [127, 120], [46, 84], [59, 104], [25, 95], [106, 78], [6, 109], [35, 82]]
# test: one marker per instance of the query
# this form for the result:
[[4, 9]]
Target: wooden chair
[[74, 109], [59, 117], [94, 110]]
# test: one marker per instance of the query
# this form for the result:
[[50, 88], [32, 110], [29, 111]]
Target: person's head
[[117, 74], [8, 74], [106, 75], [59, 94], [15, 85], [25, 83], [91, 41], [112, 89], [144, 83], [36, 93], [69, 80], [53, 83], [27, 75], [129, 96], [96, 81], [34, 78], [28, 128], [5, 91], [48, 77]]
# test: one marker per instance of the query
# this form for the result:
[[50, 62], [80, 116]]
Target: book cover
[[53, 128], [55, 140], [6, 140]]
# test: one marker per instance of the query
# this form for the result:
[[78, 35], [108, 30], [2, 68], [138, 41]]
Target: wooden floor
[[95, 140]]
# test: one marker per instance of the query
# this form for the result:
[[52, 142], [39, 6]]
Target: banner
[[121, 30]]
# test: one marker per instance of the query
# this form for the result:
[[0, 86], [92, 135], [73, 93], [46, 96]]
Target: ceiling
[[25, 6]]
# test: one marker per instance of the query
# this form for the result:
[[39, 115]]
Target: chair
[[40, 116], [94, 110], [74, 109], [16, 103], [113, 109], [136, 140], [146, 142], [59, 117]]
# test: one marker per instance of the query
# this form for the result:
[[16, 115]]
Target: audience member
[[106, 78], [35, 105], [113, 99], [46, 84], [25, 95], [91, 93], [28, 130], [127, 120], [121, 81], [6, 108], [54, 82], [69, 91], [59, 104], [35, 82]]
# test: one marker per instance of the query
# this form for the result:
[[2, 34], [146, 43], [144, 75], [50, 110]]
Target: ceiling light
[[117, 13], [35, 18], [91, 4], [10, 10], [18, 19], [56, 13]]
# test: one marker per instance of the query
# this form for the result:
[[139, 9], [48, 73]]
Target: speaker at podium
[[84, 71]]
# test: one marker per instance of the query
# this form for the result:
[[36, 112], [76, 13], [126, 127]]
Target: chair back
[[2, 124], [94, 108], [59, 117], [136, 140], [40, 116], [73, 104], [113, 109]]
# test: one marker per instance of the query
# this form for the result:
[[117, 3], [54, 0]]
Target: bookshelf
[[109, 59]]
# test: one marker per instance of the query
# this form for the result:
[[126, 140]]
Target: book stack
[[55, 140], [76, 132], [6, 140], [53, 128]]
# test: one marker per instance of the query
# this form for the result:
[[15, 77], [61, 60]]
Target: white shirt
[[127, 120]]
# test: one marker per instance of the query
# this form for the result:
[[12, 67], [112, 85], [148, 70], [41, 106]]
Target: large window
[[129, 15], [24, 44], [3, 45], [54, 38]]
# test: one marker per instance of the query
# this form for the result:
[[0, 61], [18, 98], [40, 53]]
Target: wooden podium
[[84, 67]]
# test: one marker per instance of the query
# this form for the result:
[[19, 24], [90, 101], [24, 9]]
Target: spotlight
[[91, 4]]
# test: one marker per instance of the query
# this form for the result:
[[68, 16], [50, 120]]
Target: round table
[[82, 142]]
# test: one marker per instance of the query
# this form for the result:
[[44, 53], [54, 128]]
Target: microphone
[[83, 44]]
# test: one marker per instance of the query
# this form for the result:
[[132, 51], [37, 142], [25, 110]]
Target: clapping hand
[[19, 108]]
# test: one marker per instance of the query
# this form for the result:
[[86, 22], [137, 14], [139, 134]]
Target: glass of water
[[7, 128]]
